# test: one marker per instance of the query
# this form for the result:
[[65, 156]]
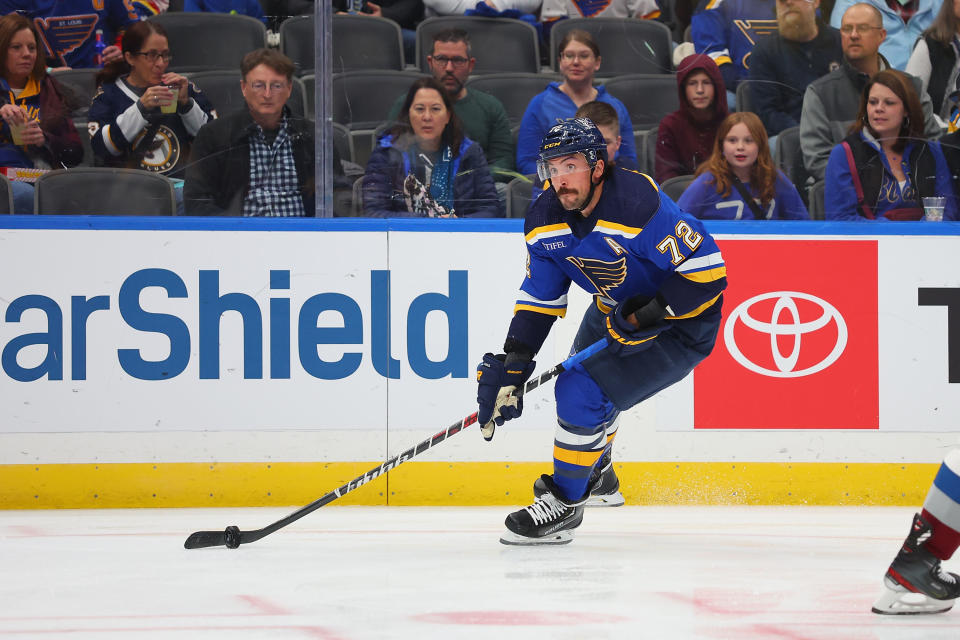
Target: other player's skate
[[915, 583], [604, 486], [549, 520]]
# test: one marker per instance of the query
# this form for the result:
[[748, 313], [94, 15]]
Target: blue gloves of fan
[[497, 376]]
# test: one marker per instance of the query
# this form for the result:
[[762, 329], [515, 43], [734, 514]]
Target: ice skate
[[604, 488], [549, 520], [915, 583]]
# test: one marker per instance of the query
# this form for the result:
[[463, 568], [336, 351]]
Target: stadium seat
[[626, 46], [6, 195], [343, 142], [207, 41], [647, 97], [789, 158], [83, 130], [646, 143], [499, 44], [309, 87], [816, 208], [359, 42], [358, 196], [744, 97], [104, 191], [514, 90], [519, 196], [675, 186], [82, 84], [222, 88]]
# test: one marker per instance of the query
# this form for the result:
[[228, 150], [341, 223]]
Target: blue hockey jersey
[[636, 241], [727, 30], [68, 27], [702, 200]]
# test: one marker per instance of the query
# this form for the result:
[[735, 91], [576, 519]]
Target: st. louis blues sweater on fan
[[117, 127], [68, 27], [727, 30]]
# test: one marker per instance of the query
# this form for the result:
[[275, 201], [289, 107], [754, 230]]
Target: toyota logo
[[785, 304]]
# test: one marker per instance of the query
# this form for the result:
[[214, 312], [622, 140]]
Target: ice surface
[[354, 573]]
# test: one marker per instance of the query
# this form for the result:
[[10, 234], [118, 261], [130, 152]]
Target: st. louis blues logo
[[605, 276], [63, 35], [590, 8]]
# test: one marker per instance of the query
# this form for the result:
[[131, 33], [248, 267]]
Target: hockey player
[[915, 583], [657, 279]]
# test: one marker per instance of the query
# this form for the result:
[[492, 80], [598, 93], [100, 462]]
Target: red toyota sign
[[798, 344]]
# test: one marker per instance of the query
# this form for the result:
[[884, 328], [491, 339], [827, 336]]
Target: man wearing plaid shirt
[[257, 162]]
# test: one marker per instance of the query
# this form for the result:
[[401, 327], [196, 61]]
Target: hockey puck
[[232, 535]]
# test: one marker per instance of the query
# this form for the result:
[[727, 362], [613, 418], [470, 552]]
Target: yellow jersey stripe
[[604, 225], [696, 311], [546, 311], [707, 275], [549, 230]]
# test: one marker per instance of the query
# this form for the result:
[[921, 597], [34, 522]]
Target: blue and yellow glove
[[497, 377]]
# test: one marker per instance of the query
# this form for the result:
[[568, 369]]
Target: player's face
[[739, 148], [428, 117], [21, 56], [884, 111], [148, 65], [570, 177], [612, 137], [265, 91], [699, 90], [578, 62], [451, 66]]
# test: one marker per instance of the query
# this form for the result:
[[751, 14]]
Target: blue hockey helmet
[[575, 135]]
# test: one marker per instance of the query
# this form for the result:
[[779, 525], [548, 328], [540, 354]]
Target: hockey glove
[[497, 376], [626, 338]]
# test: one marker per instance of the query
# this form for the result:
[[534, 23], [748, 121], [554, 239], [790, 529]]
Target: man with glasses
[[903, 20], [69, 28], [831, 103], [258, 161], [483, 116], [783, 64]]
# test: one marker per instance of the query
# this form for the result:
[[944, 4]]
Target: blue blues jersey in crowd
[[727, 30], [68, 27], [636, 241]]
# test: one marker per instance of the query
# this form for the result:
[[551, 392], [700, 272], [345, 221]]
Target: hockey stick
[[232, 537]]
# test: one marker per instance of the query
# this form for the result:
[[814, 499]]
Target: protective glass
[[547, 170]]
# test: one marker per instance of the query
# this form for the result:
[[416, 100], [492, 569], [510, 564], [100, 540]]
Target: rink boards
[[195, 362]]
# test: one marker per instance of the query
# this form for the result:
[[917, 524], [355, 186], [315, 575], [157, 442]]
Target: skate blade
[[511, 538], [897, 600], [608, 500]]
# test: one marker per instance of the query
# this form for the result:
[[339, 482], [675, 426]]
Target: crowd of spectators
[[870, 89]]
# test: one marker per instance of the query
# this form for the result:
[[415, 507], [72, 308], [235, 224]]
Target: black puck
[[232, 534]]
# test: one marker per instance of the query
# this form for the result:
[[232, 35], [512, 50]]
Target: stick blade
[[203, 539]]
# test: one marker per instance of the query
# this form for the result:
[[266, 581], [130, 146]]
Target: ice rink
[[352, 573]]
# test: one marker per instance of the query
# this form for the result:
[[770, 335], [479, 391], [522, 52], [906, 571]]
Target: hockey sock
[[942, 508]]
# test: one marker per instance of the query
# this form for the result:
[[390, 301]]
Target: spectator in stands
[[686, 137], [258, 161], [605, 117], [59, 24], [904, 22], [483, 117], [425, 166], [406, 13], [127, 124], [935, 61], [883, 169], [558, 9], [460, 7], [279, 10], [37, 131], [726, 30], [832, 101], [579, 61], [739, 181], [250, 8], [783, 64]]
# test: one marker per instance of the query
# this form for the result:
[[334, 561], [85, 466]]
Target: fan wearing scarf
[[425, 167]]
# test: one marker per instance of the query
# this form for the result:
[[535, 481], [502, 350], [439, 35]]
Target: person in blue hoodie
[[36, 130], [885, 167], [579, 61], [739, 181], [425, 167]]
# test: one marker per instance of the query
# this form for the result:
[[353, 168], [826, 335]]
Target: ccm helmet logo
[[785, 321], [552, 144]]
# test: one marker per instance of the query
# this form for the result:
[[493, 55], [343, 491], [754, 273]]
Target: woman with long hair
[[37, 131], [885, 167], [145, 117], [936, 60], [739, 181], [579, 61], [425, 166]]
